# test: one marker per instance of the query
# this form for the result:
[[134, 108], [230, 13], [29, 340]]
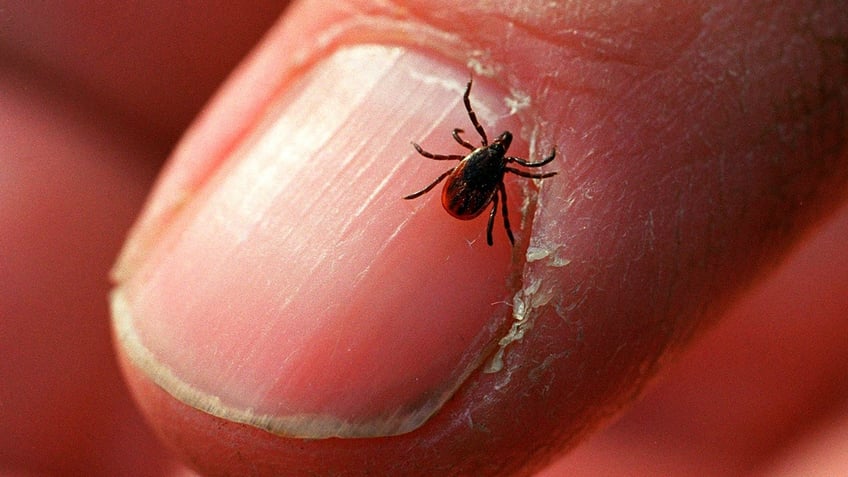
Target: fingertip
[[215, 314]]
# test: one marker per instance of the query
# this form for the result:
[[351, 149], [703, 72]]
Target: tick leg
[[541, 163], [492, 219], [456, 133], [438, 157], [430, 187], [531, 175], [472, 115], [505, 213]]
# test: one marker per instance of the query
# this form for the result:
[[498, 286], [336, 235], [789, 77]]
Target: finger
[[73, 177], [762, 392], [262, 238]]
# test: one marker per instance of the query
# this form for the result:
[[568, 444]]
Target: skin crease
[[218, 447]]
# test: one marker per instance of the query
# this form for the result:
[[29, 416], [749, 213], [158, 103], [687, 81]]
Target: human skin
[[669, 186], [91, 100]]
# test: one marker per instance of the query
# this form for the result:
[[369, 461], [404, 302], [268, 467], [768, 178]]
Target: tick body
[[477, 180]]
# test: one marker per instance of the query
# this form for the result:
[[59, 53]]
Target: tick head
[[504, 140]]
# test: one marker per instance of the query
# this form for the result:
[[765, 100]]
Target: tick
[[477, 180]]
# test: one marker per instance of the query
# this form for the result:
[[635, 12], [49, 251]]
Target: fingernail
[[296, 291]]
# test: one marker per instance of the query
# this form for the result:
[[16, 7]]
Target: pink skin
[[651, 192], [84, 128]]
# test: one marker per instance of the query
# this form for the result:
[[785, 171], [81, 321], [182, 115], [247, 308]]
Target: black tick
[[478, 178]]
